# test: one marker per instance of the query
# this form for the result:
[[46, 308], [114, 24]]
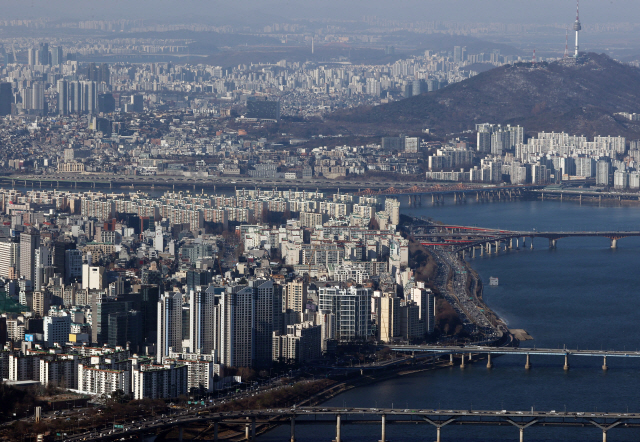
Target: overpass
[[469, 351], [250, 420]]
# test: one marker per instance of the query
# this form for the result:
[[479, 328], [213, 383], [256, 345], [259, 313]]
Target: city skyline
[[211, 208]]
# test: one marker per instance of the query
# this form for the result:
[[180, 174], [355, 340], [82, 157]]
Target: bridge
[[469, 238], [105, 180], [461, 192], [471, 350], [383, 417]]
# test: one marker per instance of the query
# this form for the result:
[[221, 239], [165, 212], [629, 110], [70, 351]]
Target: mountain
[[579, 97]]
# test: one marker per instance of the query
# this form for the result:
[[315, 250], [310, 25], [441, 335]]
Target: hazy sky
[[520, 11]]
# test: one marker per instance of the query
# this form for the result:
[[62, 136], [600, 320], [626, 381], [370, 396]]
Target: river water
[[582, 294]]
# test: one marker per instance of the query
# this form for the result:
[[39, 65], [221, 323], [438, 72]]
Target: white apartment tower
[[169, 333]]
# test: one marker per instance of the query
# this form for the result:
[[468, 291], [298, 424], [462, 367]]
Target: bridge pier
[[517, 243], [473, 252], [451, 359], [481, 251], [438, 434], [604, 364], [566, 362], [489, 363], [293, 429], [614, 243], [253, 428], [527, 365], [605, 428], [532, 243], [384, 429], [552, 243], [497, 247], [462, 361], [522, 426], [337, 439]]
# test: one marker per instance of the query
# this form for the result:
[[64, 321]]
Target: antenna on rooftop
[[534, 56]]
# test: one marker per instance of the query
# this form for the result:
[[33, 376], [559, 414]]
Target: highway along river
[[582, 294]]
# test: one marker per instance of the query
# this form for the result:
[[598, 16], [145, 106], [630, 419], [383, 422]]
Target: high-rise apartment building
[[72, 265], [63, 97], [204, 319], [295, 295], [6, 98], [57, 56], [425, 301], [603, 173], [351, 308], [9, 259], [101, 307], [29, 242], [389, 318], [169, 334], [89, 97], [57, 329]]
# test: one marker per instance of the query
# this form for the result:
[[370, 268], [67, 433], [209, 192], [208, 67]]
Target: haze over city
[[319, 220], [500, 11]]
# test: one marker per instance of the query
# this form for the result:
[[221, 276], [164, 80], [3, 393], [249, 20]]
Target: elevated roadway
[[198, 182], [250, 420], [463, 238], [470, 350]]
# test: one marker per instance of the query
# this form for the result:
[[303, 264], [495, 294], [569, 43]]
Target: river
[[582, 294]]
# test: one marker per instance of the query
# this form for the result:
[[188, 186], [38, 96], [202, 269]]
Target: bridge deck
[[372, 416], [514, 351]]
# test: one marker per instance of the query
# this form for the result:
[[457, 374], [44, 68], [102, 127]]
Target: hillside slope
[[579, 98]]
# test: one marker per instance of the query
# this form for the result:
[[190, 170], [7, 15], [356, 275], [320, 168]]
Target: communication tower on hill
[[577, 27]]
